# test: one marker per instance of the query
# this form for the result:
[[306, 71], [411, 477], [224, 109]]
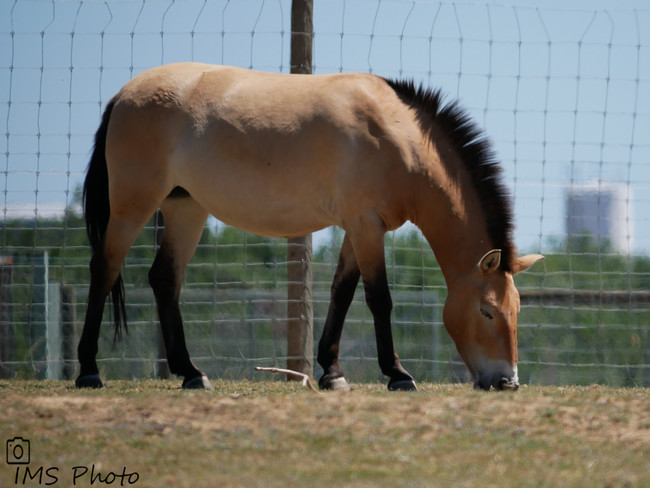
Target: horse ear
[[524, 262], [488, 263]]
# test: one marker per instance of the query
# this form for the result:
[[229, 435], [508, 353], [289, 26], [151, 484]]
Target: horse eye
[[487, 315]]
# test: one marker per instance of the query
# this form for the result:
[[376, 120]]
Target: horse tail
[[97, 211]]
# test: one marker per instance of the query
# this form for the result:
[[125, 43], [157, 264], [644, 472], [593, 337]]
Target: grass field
[[277, 434]]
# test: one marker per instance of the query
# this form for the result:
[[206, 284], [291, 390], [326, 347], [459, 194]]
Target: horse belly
[[273, 219], [263, 202]]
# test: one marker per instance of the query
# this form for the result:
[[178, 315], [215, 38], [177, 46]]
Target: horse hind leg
[[88, 344], [345, 283], [184, 222], [105, 266]]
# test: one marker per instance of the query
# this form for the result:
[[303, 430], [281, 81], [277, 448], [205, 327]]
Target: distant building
[[602, 212]]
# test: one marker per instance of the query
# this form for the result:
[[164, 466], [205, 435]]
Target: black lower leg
[[87, 349], [163, 282], [343, 289], [344, 284], [178, 357], [380, 304]]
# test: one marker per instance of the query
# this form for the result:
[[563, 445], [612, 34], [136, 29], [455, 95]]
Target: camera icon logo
[[18, 451]]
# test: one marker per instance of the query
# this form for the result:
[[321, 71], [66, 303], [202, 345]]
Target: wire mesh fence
[[563, 93]]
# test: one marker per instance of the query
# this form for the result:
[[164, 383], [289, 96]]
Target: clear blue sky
[[563, 90]]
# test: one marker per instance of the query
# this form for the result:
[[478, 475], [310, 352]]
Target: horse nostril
[[506, 384], [502, 384]]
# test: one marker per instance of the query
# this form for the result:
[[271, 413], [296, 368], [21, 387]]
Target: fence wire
[[564, 93]]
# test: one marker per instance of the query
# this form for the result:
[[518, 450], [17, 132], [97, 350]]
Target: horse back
[[270, 153]]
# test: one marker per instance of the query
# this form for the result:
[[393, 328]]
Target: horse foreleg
[[184, 221], [345, 282], [368, 242], [380, 304]]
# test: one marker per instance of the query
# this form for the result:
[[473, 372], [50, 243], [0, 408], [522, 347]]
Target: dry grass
[[277, 434]]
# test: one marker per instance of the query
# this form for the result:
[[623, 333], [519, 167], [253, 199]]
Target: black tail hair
[[97, 210]]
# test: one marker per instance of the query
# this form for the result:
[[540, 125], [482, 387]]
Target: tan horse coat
[[285, 155]]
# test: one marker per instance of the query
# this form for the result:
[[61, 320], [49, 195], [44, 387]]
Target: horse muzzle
[[498, 382]]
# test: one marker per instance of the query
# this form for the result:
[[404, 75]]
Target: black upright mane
[[475, 151]]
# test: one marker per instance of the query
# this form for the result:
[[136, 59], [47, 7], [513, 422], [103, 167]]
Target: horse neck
[[451, 219]]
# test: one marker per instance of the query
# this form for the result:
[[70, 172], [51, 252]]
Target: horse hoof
[[198, 383], [338, 384], [89, 381], [334, 384], [402, 385]]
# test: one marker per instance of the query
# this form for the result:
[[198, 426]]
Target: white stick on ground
[[306, 380]]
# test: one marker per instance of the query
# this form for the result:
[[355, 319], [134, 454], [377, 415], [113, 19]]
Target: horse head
[[480, 315]]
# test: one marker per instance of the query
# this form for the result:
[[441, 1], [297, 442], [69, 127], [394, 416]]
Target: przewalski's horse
[[285, 155]]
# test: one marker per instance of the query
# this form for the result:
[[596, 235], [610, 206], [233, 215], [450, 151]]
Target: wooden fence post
[[6, 318], [38, 314], [300, 311]]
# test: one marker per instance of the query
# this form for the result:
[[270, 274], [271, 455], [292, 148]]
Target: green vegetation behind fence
[[234, 305]]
